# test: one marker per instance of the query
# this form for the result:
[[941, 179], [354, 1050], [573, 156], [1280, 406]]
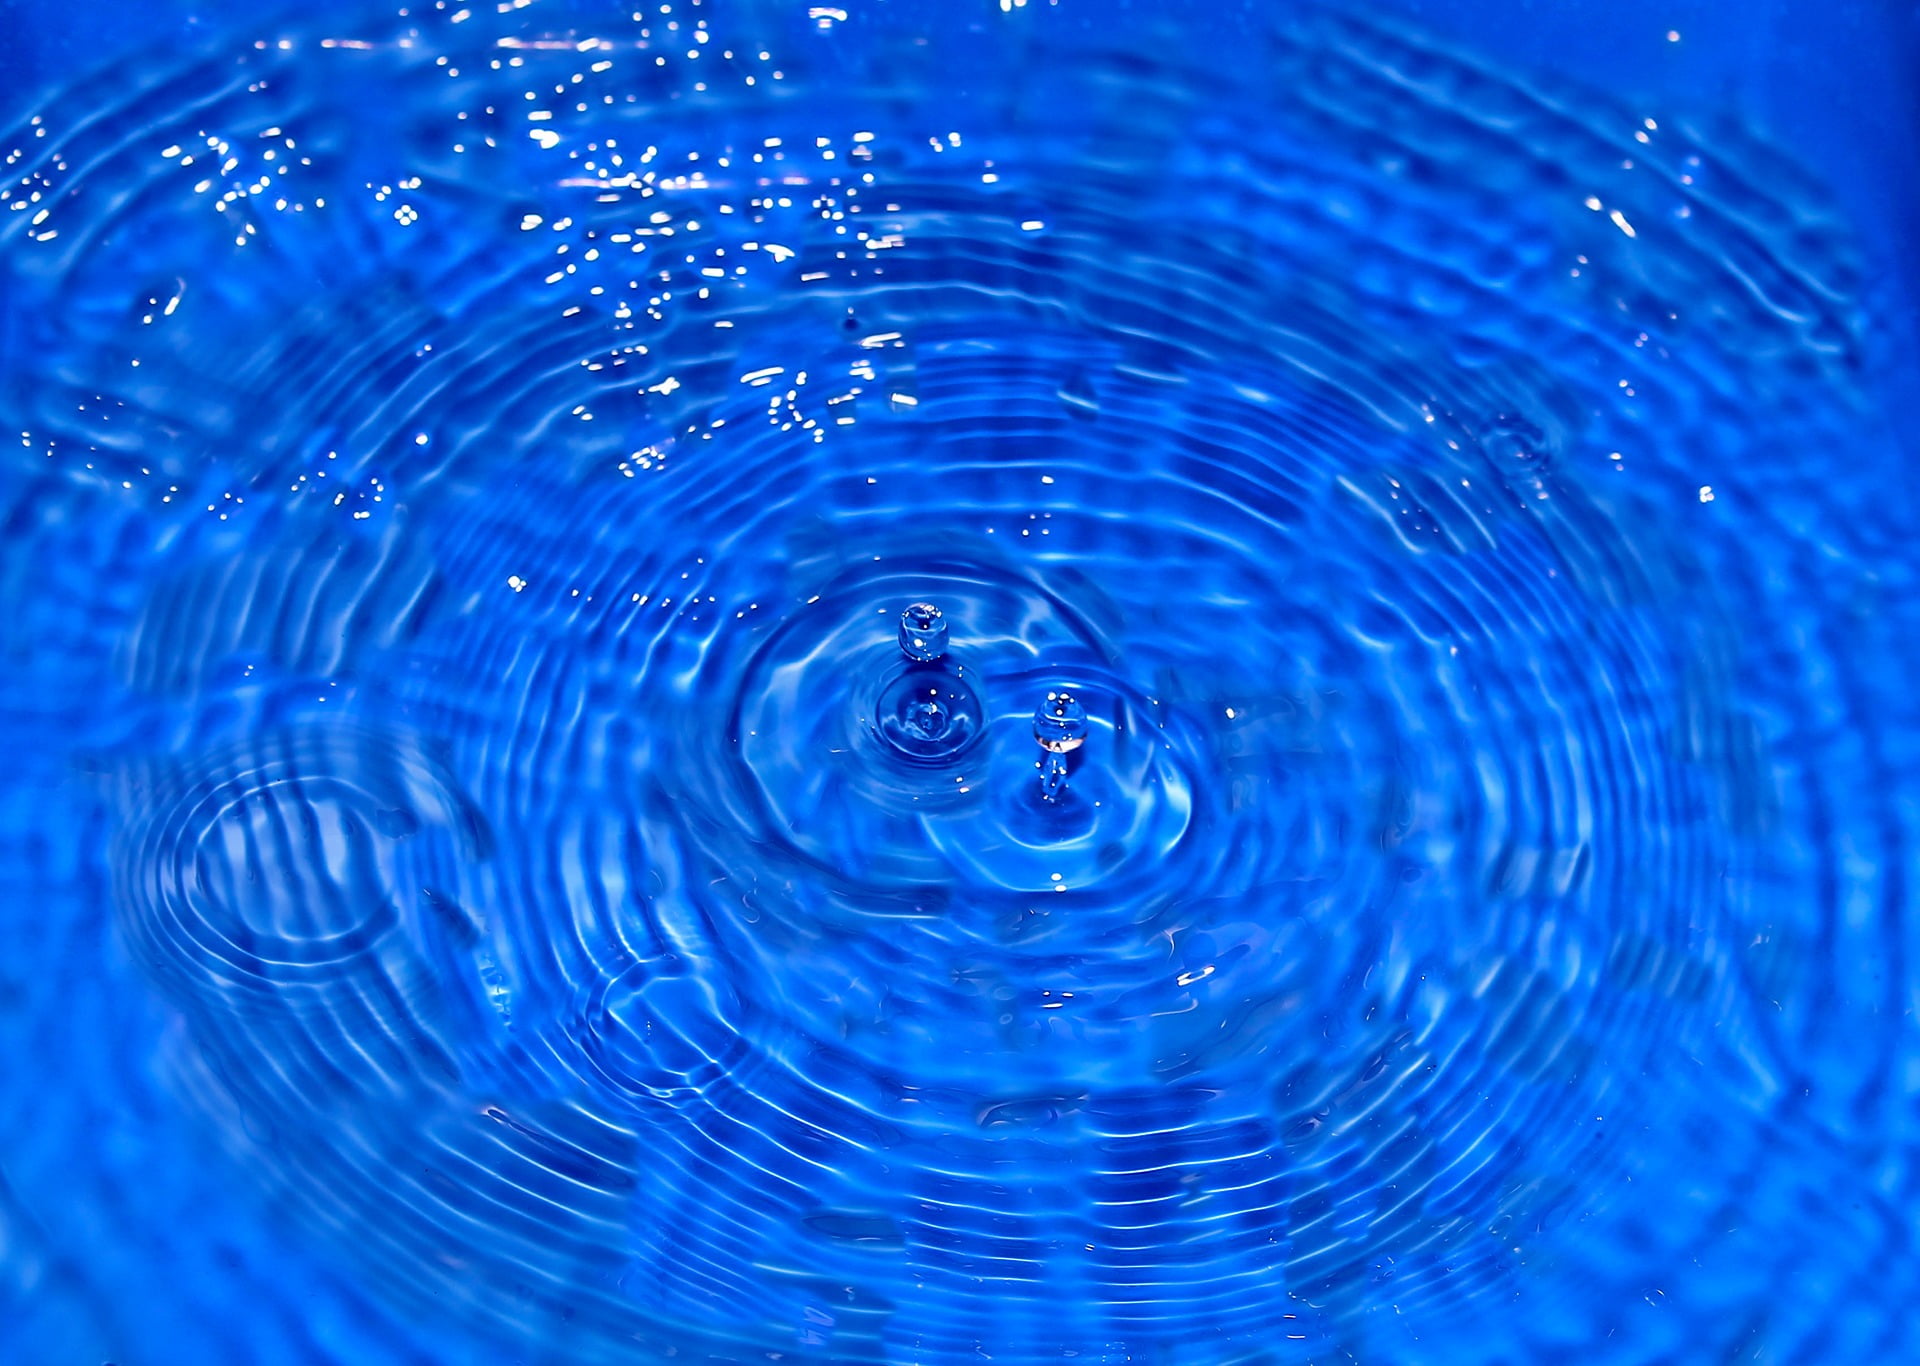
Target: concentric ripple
[[482, 461]]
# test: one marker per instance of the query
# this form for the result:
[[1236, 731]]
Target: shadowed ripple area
[[470, 474]]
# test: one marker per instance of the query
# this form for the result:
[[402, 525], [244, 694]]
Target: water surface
[[464, 904]]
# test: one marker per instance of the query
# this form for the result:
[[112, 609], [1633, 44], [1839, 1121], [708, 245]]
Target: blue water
[[481, 879]]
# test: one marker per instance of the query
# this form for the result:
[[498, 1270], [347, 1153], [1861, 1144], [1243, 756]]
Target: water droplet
[[923, 632], [1060, 723], [1060, 727]]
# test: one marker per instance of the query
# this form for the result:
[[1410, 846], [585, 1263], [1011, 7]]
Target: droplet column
[[1059, 728]]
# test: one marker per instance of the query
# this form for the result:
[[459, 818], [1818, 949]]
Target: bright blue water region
[[487, 878]]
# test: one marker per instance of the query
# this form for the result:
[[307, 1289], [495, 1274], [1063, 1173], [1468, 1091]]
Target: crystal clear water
[[489, 875]]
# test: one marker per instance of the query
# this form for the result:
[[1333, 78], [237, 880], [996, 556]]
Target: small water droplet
[[923, 632], [1060, 727], [1060, 723]]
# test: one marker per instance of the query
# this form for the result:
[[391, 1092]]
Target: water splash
[[929, 712]]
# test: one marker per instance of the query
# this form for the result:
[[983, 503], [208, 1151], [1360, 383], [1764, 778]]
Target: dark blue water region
[[483, 881]]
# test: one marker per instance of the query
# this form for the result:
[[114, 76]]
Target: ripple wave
[[493, 456]]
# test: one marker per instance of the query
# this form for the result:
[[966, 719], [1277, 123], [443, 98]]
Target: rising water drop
[[928, 710], [1060, 723], [923, 632], [1060, 727]]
